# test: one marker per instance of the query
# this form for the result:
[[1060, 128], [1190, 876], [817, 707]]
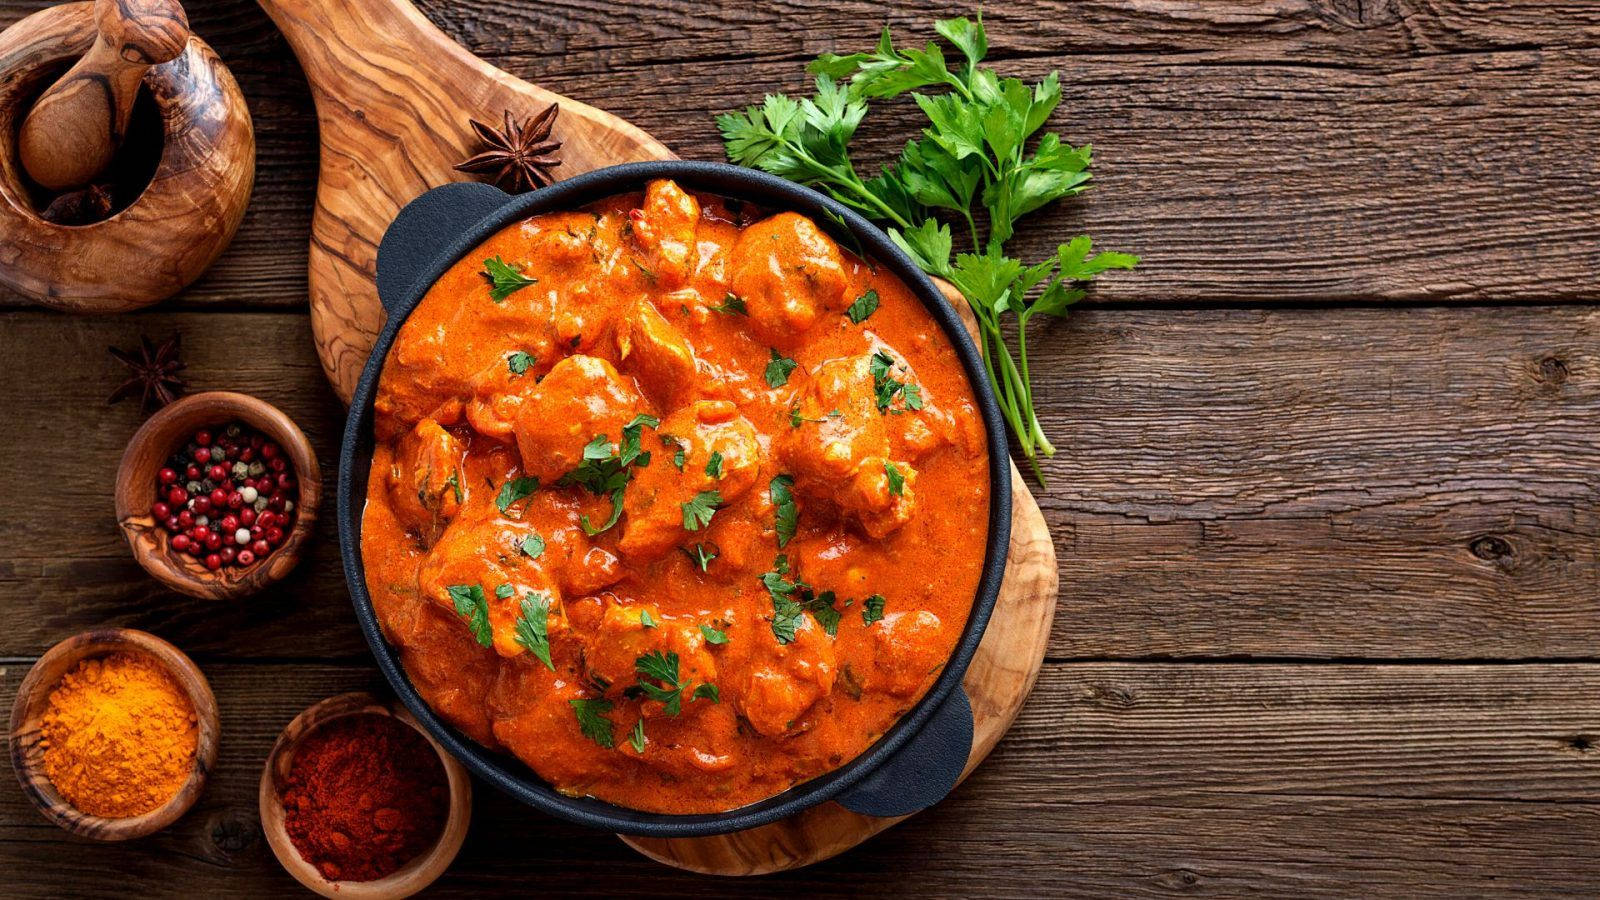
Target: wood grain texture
[[1384, 158], [1381, 483], [171, 232], [1126, 779]]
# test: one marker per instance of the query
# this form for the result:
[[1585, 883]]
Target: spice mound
[[365, 795], [119, 736]]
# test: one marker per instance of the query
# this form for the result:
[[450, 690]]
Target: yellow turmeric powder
[[119, 736]]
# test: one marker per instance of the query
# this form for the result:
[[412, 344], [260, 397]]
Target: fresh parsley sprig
[[972, 165]]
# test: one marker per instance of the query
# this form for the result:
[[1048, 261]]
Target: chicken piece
[[653, 505], [583, 396], [907, 654], [499, 392], [664, 227], [426, 487], [654, 349], [787, 272], [483, 553], [613, 651], [785, 680], [840, 453]]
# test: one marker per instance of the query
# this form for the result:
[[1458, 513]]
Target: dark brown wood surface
[[1327, 505]]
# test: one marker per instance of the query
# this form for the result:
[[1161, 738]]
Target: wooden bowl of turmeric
[[358, 802], [112, 734]]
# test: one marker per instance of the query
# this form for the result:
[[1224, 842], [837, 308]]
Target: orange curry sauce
[[654, 326]]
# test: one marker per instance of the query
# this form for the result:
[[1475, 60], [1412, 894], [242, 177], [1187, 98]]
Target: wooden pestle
[[78, 123]]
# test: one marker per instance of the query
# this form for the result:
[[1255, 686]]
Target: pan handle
[[924, 770], [426, 226]]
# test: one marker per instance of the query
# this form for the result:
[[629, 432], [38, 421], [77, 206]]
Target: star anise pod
[[155, 372], [520, 155]]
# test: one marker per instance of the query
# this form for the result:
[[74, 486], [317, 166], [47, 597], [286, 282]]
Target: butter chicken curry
[[679, 508]]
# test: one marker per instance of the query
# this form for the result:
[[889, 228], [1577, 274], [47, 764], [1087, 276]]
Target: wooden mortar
[[168, 234]]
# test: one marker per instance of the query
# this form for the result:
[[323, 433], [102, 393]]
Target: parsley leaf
[[732, 305], [519, 362], [701, 556], [897, 481], [864, 306], [713, 635], [591, 529], [636, 738], [532, 546], [786, 611], [886, 387], [662, 667], [781, 491], [515, 490], [697, 512], [822, 609], [533, 627], [504, 278], [714, 465], [605, 468], [592, 721], [707, 691], [872, 608], [645, 619], [779, 369], [970, 164], [472, 605]]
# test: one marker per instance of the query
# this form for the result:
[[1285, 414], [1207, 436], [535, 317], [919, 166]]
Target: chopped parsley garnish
[[707, 691], [504, 278], [515, 490], [533, 626], [592, 721], [793, 598], [822, 609], [865, 305], [897, 480], [473, 606], [636, 738], [732, 305], [647, 620], [454, 483], [532, 545], [872, 608], [713, 635], [781, 490], [779, 368], [519, 362], [700, 556], [662, 667], [670, 442], [604, 469], [714, 464], [504, 591], [697, 512], [887, 387]]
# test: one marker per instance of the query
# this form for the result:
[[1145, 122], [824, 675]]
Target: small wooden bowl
[[408, 879], [33, 698], [148, 451]]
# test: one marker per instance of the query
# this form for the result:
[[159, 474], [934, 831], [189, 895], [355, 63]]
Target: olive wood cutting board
[[394, 98]]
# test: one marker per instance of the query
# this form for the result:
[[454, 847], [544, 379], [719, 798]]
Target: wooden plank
[[1251, 153], [1379, 483], [1119, 779]]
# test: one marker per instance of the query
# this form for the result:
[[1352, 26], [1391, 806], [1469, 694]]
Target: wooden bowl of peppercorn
[[348, 771], [149, 484]]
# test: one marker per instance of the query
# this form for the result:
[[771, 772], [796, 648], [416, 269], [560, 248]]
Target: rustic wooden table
[[1326, 501]]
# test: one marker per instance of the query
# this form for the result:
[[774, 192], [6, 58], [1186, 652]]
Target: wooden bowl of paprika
[[357, 801], [74, 716], [138, 480]]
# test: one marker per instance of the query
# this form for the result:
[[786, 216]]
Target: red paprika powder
[[365, 795]]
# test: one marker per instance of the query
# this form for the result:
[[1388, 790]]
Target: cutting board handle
[[410, 248], [924, 771]]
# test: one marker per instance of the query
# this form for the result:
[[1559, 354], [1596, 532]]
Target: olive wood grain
[[394, 98], [78, 123], [409, 878], [179, 223], [147, 453], [33, 701]]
